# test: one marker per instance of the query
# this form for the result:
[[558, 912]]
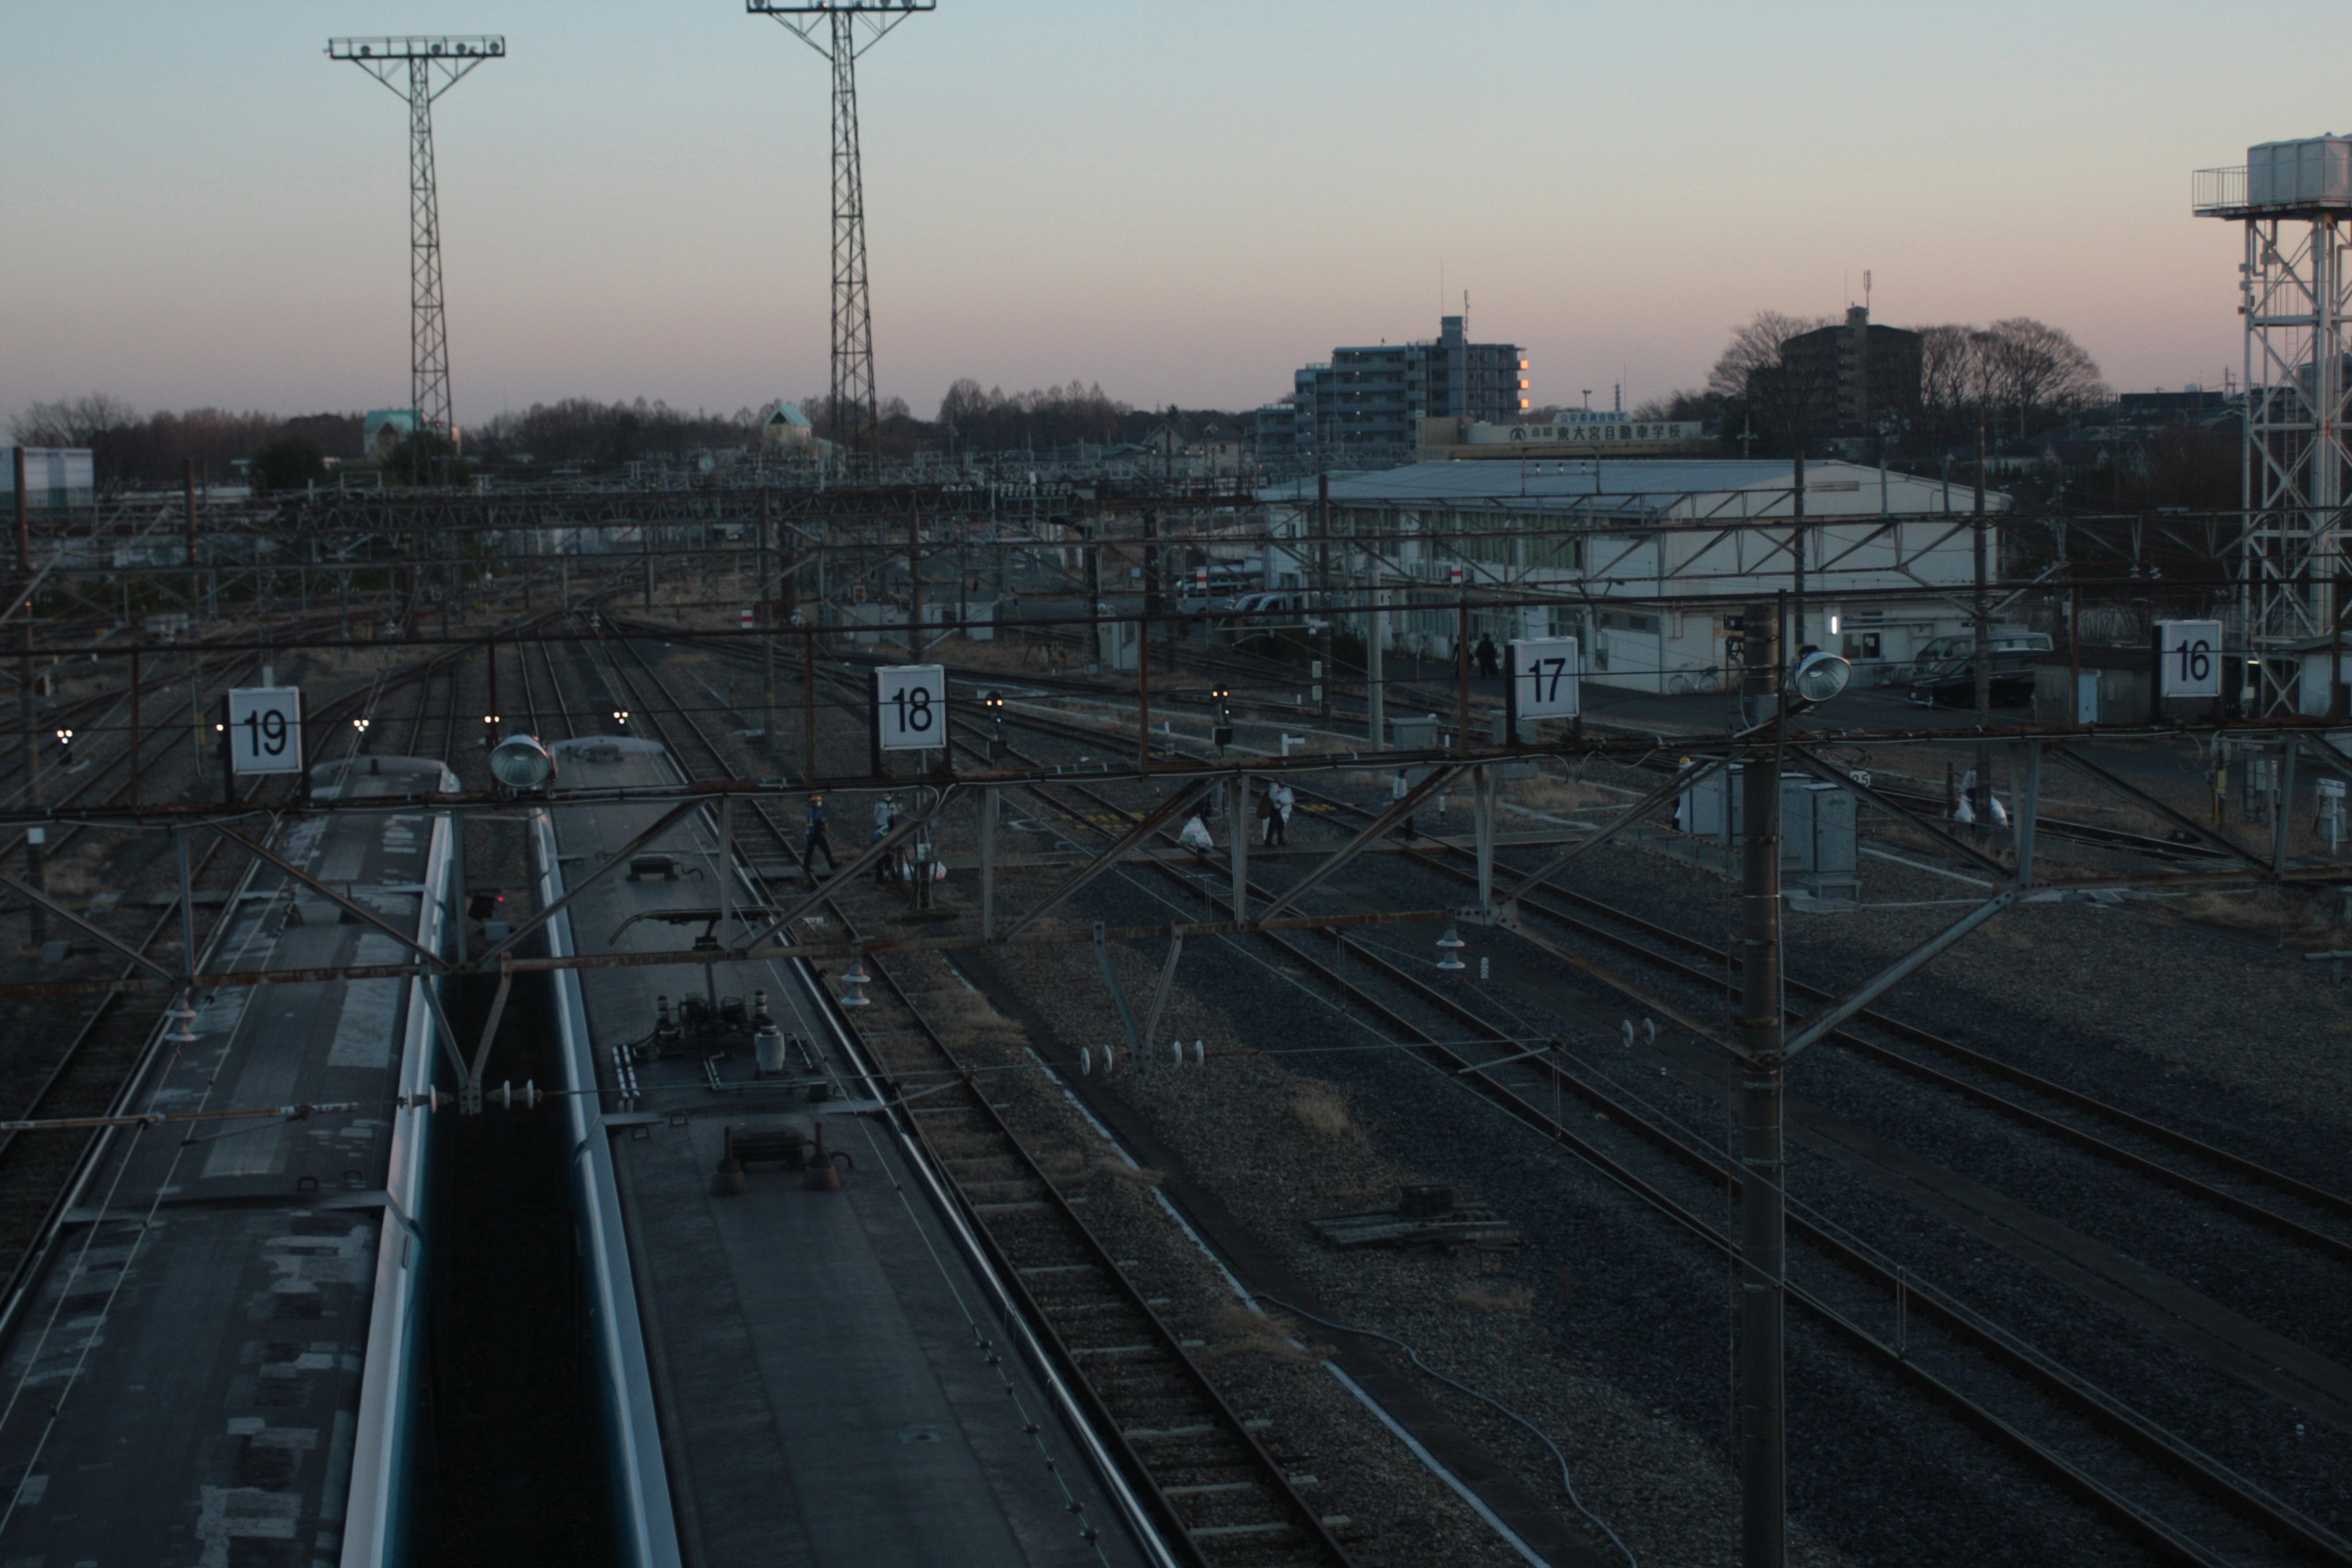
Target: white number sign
[[2188, 659], [265, 730], [910, 707], [1544, 673]]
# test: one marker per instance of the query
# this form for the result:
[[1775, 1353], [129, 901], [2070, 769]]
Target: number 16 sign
[[1544, 673], [2188, 659], [265, 730], [910, 707]]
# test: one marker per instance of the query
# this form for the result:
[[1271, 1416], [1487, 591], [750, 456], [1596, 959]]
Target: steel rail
[[2148, 1438], [1206, 1545]]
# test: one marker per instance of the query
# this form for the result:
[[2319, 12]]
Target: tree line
[[130, 450], [134, 450], [2019, 377]]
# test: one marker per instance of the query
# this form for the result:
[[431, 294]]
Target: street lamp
[[1817, 677]]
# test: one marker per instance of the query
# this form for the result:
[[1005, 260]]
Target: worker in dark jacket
[[816, 840], [1490, 663]]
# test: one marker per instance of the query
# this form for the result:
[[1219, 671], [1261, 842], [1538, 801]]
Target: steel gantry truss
[[420, 70], [833, 30], [2293, 296]]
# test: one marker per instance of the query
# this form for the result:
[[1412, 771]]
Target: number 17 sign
[[1544, 673], [265, 730], [910, 707]]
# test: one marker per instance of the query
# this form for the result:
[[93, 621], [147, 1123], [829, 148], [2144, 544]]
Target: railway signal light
[[1223, 734], [65, 738], [621, 717]]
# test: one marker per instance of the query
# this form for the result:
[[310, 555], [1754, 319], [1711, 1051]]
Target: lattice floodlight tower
[[834, 30], [420, 70], [2294, 199]]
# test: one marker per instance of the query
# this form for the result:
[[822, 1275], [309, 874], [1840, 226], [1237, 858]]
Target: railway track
[[2128, 1466], [1218, 1490], [86, 1074], [2094, 1441]]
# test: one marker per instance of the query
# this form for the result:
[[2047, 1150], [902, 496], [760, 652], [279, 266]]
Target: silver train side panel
[[646, 1528], [376, 1523]]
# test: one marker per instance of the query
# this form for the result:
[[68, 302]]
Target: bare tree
[[1757, 346], [71, 421], [2036, 368]]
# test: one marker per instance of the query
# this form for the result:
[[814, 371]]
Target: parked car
[[1940, 651], [1290, 608], [1954, 684]]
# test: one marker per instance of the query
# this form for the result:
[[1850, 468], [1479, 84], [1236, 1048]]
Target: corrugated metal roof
[[1637, 485]]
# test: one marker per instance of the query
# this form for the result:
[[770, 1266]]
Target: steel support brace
[[1109, 857], [1482, 817], [1373, 832], [2283, 819], [1821, 770], [1167, 984], [1633, 814], [1243, 825], [726, 867], [42, 900], [662, 825], [2028, 766], [906, 828], [2194, 828], [1836, 1012], [1118, 992], [989, 803]]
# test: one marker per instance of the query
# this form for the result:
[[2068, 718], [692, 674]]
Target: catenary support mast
[[420, 70], [841, 32]]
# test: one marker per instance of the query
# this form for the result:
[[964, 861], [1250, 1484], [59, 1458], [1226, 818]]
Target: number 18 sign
[[1544, 673], [2188, 659], [265, 730], [910, 707]]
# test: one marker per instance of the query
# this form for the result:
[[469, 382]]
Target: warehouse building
[[1647, 561]]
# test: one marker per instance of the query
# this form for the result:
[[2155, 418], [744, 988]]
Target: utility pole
[[419, 70], [767, 620], [1763, 1199], [1980, 658], [1797, 549], [830, 28], [37, 927], [1323, 597]]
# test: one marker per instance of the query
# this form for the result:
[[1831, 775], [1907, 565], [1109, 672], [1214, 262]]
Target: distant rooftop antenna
[[420, 70], [2293, 200], [857, 414]]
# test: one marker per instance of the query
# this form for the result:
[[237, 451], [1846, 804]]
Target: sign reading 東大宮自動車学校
[[265, 730], [910, 707]]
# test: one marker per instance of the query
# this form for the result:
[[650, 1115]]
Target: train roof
[[188, 1367], [821, 1360]]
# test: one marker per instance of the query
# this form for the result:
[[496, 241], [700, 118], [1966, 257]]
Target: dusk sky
[[1180, 199]]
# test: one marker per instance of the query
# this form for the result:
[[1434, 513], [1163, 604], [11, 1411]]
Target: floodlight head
[[825, 7], [520, 761], [1819, 677]]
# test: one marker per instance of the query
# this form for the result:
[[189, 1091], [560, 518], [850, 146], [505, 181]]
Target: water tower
[[2293, 199]]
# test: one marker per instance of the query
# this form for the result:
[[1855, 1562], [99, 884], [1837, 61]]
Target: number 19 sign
[[265, 730], [910, 707], [1544, 673], [2188, 659]]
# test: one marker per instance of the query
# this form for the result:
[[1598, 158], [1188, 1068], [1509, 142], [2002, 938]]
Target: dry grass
[[1559, 794], [1322, 1109], [1495, 1298], [1240, 1331]]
